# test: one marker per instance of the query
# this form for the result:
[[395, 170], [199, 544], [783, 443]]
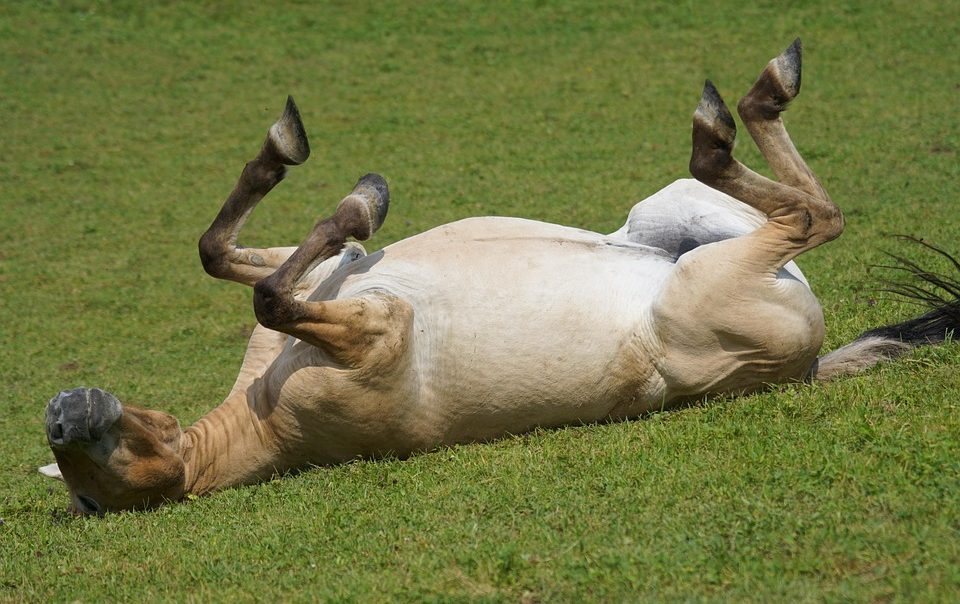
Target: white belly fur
[[517, 323]]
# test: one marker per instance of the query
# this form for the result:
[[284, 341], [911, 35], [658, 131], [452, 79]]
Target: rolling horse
[[491, 326]]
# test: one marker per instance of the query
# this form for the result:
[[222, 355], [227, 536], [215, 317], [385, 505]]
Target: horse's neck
[[231, 445]]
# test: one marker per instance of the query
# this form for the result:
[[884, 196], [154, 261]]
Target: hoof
[[787, 69], [288, 136], [777, 86], [370, 199], [713, 134], [714, 119]]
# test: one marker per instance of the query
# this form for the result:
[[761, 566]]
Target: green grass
[[125, 125]]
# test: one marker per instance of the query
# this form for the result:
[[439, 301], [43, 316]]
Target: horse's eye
[[88, 505]]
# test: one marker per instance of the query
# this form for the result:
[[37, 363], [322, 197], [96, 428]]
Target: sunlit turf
[[125, 125]]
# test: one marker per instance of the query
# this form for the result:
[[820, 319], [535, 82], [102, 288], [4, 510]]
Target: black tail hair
[[938, 292]]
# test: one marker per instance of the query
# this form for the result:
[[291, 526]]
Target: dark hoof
[[371, 200], [80, 415], [289, 137], [713, 116], [777, 86], [788, 69]]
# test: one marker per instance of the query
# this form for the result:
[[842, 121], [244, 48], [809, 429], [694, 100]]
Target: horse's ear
[[52, 470]]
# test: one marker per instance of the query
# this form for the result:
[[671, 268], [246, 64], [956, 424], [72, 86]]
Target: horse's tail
[[937, 292]]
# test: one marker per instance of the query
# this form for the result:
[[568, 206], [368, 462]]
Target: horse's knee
[[273, 306], [213, 255]]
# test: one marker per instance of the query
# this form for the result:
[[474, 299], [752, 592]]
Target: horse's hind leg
[[348, 329], [286, 145], [760, 109], [800, 217], [766, 329]]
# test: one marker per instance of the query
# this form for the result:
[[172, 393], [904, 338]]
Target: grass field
[[126, 124]]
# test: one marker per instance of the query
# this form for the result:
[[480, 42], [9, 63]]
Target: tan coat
[[484, 327]]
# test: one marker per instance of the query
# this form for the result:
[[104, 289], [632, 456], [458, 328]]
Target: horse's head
[[114, 457]]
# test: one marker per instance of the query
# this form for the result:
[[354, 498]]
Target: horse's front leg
[[286, 145], [351, 330]]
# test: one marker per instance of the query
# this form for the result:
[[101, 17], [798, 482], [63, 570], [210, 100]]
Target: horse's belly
[[516, 329]]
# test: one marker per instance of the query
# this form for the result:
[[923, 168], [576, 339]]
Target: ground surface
[[126, 125]]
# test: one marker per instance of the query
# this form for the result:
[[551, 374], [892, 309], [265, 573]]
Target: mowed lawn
[[126, 124]]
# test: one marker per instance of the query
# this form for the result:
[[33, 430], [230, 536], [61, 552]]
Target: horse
[[491, 326]]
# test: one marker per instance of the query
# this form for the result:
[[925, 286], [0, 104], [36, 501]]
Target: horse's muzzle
[[80, 415]]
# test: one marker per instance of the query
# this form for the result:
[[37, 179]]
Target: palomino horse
[[489, 326]]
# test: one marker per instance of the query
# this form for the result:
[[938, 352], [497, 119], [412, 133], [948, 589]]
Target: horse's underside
[[488, 326]]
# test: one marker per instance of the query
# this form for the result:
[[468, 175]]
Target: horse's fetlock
[[708, 162], [752, 108]]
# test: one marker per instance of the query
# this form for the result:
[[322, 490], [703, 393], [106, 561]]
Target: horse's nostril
[[87, 505], [81, 415]]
